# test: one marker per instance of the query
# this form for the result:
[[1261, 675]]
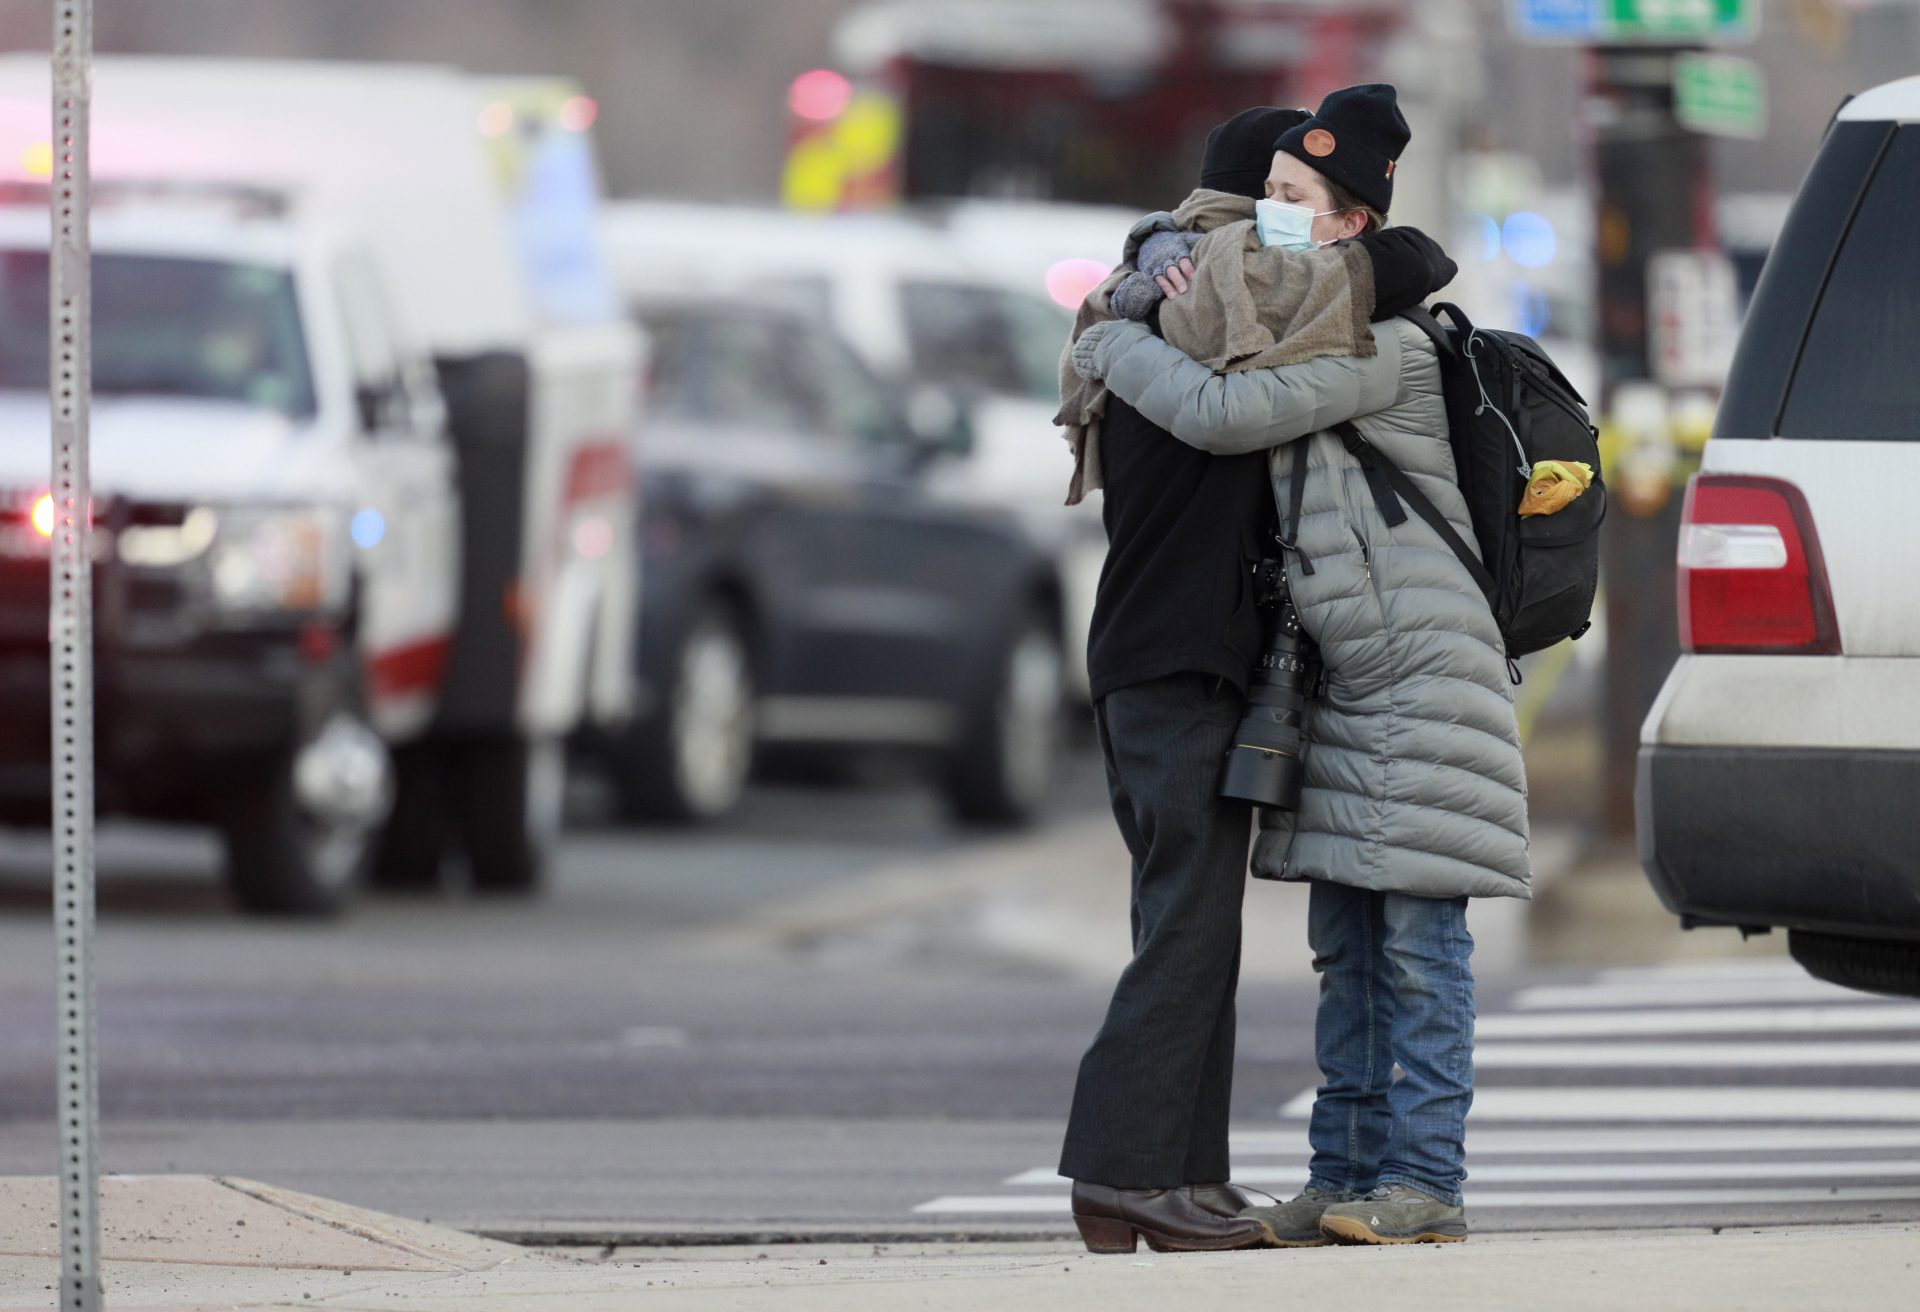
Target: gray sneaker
[[1296, 1223], [1395, 1214]]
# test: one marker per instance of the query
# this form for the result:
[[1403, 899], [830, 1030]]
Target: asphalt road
[[798, 1025]]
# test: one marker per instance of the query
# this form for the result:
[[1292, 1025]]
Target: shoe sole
[[1160, 1243], [1110, 1235], [1348, 1230]]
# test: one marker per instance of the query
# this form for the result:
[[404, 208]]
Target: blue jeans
[[1395, 987]]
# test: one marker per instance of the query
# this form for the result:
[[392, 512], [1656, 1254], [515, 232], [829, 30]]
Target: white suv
[[1779, 775]]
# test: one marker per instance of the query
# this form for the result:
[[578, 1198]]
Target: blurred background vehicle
[[974, 357], [808, 587], [996, 91], [1057, 248], [360, 464], [1778, 768]]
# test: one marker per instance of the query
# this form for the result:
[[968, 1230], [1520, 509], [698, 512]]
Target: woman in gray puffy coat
[[1415, 794]]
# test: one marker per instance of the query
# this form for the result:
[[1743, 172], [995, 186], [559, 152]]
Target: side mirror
[[406, 407], [379, 405], [940, 422]]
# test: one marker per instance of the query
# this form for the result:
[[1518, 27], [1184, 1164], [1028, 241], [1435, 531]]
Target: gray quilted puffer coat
[[1414, 781]]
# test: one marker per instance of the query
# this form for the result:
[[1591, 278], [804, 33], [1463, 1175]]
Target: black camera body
[[1264, 764]]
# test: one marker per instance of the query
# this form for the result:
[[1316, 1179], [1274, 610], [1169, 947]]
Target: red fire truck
[[1093, 101]]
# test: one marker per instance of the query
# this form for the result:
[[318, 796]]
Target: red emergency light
[[820, 96]]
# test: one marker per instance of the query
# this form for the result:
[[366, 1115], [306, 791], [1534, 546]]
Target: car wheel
[[1872, 965], [689, 762], [294, 845], [507, 800], [1003, 767]]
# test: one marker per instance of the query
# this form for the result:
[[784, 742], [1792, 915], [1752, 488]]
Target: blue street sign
[[1557, 19]]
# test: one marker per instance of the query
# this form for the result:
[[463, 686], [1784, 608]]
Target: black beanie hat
[[1355, 139], [1240, 151]]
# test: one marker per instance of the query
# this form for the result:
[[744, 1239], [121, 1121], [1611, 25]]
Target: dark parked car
[[802, 588]]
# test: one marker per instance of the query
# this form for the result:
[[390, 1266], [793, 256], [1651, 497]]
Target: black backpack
[[1508, 406]]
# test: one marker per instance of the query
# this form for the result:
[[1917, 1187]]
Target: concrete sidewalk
[[187, 1242]]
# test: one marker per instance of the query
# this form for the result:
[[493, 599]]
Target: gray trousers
[[1155, 1090]]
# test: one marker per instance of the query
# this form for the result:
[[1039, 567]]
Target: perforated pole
[[71, 632]]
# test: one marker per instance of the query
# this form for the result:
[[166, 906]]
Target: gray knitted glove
[[1163, 250], [1135, 298], [1085, 349]]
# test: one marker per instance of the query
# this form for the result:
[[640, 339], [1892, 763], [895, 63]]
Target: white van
[[360, 465], [1780, 765]]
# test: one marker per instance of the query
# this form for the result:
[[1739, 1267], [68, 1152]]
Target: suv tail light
[[1752, 578]]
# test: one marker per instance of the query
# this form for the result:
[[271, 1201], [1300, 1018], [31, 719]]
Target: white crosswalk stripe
[[1573, 1140], [1293, 1176], [1614, 1103], [1687, 993], [1623, 1091], [1537, 1056], [1761, 968], [1699, 1020], [1057, 1204]]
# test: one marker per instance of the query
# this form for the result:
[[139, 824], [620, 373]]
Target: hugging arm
[[1233, 413]]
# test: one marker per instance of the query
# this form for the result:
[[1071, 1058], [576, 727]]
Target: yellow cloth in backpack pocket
[[1554, 485]]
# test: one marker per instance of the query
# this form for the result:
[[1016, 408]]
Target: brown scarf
[[1249, 307]]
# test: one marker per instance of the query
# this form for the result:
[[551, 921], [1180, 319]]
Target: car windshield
[[983, 338], [167, 327]]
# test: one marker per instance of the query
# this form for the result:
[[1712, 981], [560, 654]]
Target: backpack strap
[[1375, 468], [1289, 534], [1422, 319], [1461, 324], [1391, 487]]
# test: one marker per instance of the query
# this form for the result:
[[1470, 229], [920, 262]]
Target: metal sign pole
[[71, 630]]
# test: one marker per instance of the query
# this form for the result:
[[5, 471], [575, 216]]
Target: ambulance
[[362, 500]]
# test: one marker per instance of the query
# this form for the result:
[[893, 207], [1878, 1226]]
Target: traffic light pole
[[1654, 193], [71, 642]]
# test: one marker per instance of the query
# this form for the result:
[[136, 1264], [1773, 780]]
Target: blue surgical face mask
[[1290, 227]]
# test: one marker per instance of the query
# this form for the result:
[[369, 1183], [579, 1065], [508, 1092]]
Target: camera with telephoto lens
[[1263, 766]]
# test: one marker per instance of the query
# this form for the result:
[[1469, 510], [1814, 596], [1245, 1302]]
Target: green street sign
[[1634, 22], [1679, 20], [1724, 95]]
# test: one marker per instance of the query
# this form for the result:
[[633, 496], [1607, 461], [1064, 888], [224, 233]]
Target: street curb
[[618, 1237], [613, 1237]]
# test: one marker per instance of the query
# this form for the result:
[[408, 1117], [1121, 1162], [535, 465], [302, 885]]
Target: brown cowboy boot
[[1170, 1220], [1226, 1199]]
